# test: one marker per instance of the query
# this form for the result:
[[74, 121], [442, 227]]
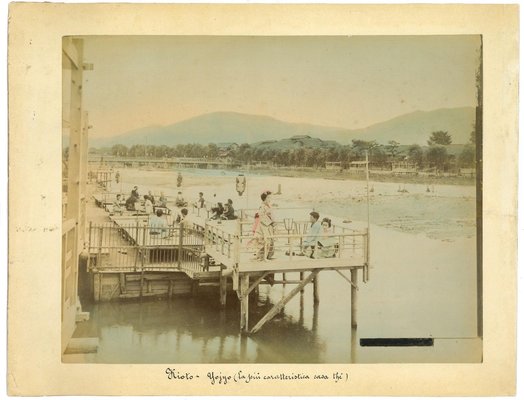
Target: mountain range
[[231, 127]]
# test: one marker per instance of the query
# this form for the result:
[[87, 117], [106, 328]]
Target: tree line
[[434, 155]]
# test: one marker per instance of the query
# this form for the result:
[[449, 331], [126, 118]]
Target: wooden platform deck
[[130, 262], [300, 264]]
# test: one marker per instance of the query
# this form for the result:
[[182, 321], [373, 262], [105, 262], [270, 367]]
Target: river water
[[422, 285]]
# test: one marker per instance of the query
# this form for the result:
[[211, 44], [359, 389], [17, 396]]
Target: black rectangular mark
[[396, 342]]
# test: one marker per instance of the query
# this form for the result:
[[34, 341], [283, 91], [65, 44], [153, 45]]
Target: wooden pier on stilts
[[128, 259], [350, 254]]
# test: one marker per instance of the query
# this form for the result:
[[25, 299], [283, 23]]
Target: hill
[[244, 128], [415, 128]]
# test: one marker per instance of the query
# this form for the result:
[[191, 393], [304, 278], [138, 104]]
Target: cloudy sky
[[348, 82]]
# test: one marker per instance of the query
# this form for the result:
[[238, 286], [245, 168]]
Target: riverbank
[[375, 176]]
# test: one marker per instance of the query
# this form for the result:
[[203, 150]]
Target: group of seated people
[[134, 202], [159, 225], [319, 241], [223, 211]]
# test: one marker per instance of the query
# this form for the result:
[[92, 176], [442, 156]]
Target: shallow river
[[421, 286]]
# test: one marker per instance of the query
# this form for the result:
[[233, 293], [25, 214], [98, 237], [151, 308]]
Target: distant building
[[225, 149], [357, 167], [467, 172], [333, 165], [404, 168]]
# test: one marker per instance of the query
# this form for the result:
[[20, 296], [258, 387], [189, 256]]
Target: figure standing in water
[[179, 180]]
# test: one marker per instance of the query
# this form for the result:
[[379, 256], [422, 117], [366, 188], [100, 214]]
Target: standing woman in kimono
[[264, 230]]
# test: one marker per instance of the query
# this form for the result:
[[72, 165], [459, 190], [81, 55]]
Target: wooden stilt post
[[353, 345], [244, 303], [314, 324], [316, 295], [96, 286], [277, 307], [243, 349], [301, 314], [223, 289], [180, 244], [354, 276], [122, 283], [141, 282], [302, 278]]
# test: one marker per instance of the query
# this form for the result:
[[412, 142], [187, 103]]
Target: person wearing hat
[[134, 193]]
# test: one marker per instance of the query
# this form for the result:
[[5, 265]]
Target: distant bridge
[[178, 162]]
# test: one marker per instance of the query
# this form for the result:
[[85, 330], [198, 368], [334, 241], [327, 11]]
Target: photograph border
[[35, 196]]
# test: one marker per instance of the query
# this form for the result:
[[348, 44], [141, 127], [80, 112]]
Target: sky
[[339, 81]]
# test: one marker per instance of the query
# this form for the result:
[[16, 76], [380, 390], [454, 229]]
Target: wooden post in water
[[97, 286], [354, 276], [316, 296], [223, 289], [301, 278], [143, 250], [180, 244], [170, 289], [122, 283], [244, 303]]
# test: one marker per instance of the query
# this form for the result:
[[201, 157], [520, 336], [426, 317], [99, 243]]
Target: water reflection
[[196, 330], [428, 293]]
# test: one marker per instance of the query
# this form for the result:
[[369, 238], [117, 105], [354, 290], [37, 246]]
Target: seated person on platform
[[185, 219], [326, 245], [179, 201], [151, 197], [117, 208], [130, 203], [162, 201], [148, 205], [310, 240], [229, 211], [158, 224], [200, 202], [134, 192], [218, 211]]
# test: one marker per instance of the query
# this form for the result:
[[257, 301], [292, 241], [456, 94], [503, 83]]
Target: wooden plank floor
[[300, 264]]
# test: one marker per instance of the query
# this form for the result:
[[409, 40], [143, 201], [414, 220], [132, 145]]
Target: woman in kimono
[[327, 244], [264, 230]]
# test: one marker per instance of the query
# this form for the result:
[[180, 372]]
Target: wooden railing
[[135, 246], [229, 244]]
